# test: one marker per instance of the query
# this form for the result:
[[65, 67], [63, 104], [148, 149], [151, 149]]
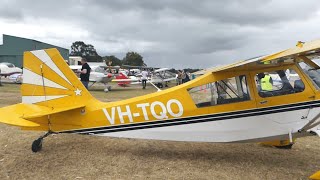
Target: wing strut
[[311, 124], [154, 86]]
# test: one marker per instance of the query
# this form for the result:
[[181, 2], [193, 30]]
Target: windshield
[[9, 65], [100, 70]]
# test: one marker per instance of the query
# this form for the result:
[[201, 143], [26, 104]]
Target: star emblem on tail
[[78, 92]]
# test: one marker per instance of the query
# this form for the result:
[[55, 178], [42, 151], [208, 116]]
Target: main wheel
[[36, 145]]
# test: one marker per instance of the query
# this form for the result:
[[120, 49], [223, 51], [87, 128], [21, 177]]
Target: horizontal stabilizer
[[48, 111], [9, 115], [21, 114]]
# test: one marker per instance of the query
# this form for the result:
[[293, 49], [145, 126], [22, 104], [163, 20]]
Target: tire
[[36, 145]]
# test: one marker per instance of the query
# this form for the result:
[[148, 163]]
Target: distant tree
[[191, 70], [133, 59], [115, 61], [79, 48]]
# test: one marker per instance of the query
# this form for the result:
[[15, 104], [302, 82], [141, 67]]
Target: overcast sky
[[168, 33]]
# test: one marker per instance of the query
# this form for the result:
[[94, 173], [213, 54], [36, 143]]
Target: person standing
[[266, 83], [144, 77], [179, 77], [183, 76], [187, 79], [85, 72]]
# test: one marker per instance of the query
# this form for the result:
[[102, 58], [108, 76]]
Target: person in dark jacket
[[85, 72]]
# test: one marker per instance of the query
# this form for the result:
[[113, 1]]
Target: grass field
[[91, 157]]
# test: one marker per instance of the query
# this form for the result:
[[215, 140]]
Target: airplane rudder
[[47, 77]]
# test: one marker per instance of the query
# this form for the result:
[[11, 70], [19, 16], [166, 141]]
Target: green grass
[[11, 88]]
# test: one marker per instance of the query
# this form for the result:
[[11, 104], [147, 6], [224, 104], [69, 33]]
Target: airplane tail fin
[[48, 81], [123, 77]]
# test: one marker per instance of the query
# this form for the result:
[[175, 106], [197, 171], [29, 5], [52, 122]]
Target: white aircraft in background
[[9, 70], [99, 74], [160, 77], [157, 78]]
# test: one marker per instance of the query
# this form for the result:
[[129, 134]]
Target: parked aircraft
[[161, 77], [105, 75], [157, 77], [7, 69], [224, 105]]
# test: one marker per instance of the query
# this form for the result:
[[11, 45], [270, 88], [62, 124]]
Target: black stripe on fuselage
[[198, 119]]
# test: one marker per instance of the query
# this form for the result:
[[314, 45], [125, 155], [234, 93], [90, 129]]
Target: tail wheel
[[160, 85], [37, 145]]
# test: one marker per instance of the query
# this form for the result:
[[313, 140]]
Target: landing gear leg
[[37, 144], [107, 88]]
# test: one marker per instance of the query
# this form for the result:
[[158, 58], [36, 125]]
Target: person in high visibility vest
[[266, 82]]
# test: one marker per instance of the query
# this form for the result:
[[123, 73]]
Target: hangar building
[[13, 47]]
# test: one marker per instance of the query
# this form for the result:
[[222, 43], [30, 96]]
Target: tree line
[[79, 48]]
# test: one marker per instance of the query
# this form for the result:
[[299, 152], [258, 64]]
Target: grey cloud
[[213, 32], [7, 12]]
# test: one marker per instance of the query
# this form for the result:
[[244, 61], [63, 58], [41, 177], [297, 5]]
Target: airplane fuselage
[[174, 114]]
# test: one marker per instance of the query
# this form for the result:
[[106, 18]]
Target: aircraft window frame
[[312, 73], [222, 92], [288, 86]]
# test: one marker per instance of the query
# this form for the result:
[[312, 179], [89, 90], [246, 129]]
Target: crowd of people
[[181, 75]]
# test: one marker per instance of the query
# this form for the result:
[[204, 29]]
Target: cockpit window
[[313, 73], [278, 83], [9, 65], [225, 91], [100, 70]]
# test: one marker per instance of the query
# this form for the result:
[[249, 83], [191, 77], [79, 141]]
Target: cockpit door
[[282, 90]]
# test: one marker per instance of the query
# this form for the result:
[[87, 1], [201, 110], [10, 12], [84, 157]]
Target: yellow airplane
[[274, 98]]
